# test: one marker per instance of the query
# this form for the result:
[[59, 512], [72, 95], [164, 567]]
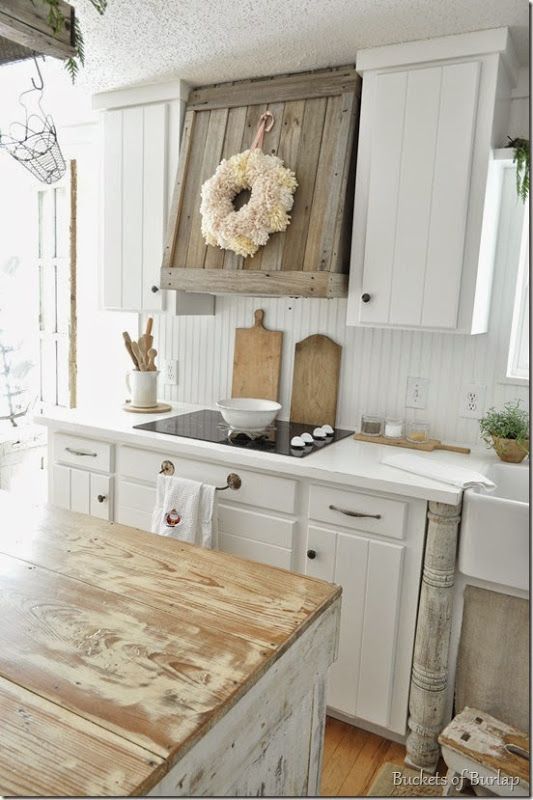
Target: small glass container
[[371, 425], [417, 432], [393, 428]]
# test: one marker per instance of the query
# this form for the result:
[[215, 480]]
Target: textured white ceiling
[[205, 41]]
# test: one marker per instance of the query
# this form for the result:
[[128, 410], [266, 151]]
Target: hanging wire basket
[[33, 143]]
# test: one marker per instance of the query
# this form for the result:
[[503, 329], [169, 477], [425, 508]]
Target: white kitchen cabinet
[[425, 197], [370, 573], [372, 547], [82, 491], [140, 143]]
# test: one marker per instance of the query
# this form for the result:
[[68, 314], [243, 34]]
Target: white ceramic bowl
[[248, 414]]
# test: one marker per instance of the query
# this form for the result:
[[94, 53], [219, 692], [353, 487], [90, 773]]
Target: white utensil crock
[[142, 387]]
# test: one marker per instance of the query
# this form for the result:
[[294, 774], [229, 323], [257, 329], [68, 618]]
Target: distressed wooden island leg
[[429, 676]]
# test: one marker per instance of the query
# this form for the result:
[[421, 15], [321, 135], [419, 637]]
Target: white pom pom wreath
[[271, 186]]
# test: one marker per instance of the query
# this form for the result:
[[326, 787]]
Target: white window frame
[[517, 370]]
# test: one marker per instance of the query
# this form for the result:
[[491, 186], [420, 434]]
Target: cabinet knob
[[366, 297], [155, 289], [101, 498], [311, 554]]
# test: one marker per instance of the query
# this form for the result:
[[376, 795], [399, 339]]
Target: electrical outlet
[[417, 393], [170, 373], [472, 401]]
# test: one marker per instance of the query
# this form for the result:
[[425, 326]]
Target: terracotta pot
[[512, 450]]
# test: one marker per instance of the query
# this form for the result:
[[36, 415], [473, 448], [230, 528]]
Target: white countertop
[[346, 462]]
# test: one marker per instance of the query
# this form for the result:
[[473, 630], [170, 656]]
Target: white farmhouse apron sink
[[494, 541]]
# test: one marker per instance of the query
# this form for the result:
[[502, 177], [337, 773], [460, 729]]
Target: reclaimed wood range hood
[[25, 31], [315, 116]]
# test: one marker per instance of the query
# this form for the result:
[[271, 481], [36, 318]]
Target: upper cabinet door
[[134, 205], [418, 195], [423, 235]]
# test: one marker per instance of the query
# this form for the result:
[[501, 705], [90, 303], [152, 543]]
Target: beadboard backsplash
[[375, 362]]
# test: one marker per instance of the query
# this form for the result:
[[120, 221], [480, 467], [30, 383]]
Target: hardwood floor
[[352, 757]]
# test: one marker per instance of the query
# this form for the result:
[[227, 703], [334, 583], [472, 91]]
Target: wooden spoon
[[138, 355], [152, 352], [127, 342]]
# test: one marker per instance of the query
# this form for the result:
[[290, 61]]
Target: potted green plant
[[521, 159], [507, 431]]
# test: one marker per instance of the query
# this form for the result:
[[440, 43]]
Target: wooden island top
[[120, 650]]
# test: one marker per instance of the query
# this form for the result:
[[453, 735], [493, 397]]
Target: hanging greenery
[[521, 159], [56, 20]]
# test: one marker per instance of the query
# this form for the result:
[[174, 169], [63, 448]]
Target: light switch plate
[[417, 392]]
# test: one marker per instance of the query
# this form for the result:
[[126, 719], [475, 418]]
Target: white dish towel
[[185, 510], [462, 477]]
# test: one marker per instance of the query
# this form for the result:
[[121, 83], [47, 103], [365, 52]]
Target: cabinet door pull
[[366, 298], [311, 554], [101, 498], [353, 513], [80, 452]]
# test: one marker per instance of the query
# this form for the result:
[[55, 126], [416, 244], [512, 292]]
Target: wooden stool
[[492, 756]]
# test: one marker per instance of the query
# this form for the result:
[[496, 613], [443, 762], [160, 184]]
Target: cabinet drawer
[[259, 527], [255, 551], [134, 504], [350, 509], [257, 489], [78, 452]]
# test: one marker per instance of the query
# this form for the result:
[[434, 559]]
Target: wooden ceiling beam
[[27, 25]]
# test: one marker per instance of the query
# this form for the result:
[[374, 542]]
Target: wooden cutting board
[[257, 361], [429, 446], [315, 382]]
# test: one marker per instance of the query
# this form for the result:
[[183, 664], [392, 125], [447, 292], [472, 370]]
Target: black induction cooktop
[[210, 427]]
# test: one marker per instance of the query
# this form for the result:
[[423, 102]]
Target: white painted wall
[[375, 362]]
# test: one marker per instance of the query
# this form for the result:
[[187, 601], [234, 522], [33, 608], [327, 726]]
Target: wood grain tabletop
[[120, 648]]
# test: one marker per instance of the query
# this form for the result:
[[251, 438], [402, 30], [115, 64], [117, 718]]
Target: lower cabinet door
[[81, 491], [361, 681], [60, 486]]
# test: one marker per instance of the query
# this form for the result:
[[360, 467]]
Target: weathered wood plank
[[27, 24], [335, 198], [287, 150], [271, 145], [159, 675], [253, 113], [214, 257], [214, 141], [293, 681], [305, 168], [190, 197], [277, 283], [276, 89], [69, 756], [150, 676], [246, 599], [324, 198], [174, 216]]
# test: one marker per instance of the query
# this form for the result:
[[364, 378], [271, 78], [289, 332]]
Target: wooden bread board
[[257, 361], [315, 382], [428, 447]]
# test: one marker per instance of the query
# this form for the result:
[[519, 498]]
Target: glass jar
[[393, 428], [371, 425], [417, 432]]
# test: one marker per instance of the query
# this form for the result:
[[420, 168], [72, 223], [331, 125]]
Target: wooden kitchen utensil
[[429, 446], [257, 361], [315, 381], [128, 343], [137, 352]]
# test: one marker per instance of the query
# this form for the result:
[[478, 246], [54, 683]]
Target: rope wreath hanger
[[271, 186]]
